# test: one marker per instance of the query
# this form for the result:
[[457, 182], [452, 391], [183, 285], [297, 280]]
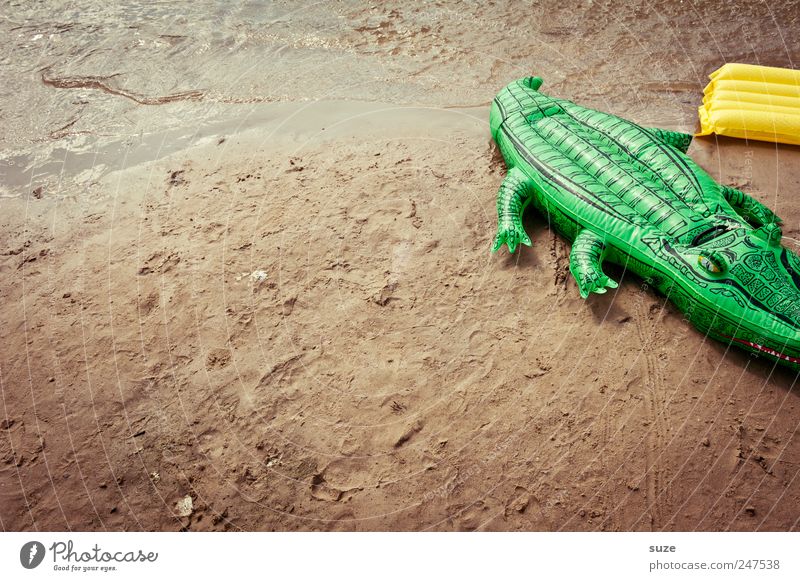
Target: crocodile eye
[[709, 264]]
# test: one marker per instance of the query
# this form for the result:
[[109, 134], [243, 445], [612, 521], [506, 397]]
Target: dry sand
[[389, 373]]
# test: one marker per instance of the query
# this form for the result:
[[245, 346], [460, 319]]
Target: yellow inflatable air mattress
[[752, 102]]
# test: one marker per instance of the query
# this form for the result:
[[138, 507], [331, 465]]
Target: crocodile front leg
[[749, 208], [515, 194], [585, 264]]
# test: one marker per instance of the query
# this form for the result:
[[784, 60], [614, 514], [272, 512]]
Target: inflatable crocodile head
[[632, 195], [750, 288]]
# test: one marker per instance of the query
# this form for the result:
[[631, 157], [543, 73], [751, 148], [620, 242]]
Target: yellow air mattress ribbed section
[[752, 102]]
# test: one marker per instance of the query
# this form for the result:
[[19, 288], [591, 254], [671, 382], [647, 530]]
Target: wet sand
[[389, 373]]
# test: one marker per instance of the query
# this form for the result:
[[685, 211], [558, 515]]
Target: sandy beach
[[264, 281]]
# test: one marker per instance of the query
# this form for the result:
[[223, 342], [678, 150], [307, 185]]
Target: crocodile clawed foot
[[585, 264], [512, 237], [599, 285]]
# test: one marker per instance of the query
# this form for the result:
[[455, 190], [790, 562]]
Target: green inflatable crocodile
[[631, 195]]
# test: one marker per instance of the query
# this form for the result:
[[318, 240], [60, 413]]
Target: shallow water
[[80, 78]]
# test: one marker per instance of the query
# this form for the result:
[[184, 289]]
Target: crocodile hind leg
[[514, 196], [749, 208], [585, 264], [680, 141]]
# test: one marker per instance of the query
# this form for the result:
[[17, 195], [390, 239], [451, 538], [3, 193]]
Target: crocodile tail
[[532, 83]]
